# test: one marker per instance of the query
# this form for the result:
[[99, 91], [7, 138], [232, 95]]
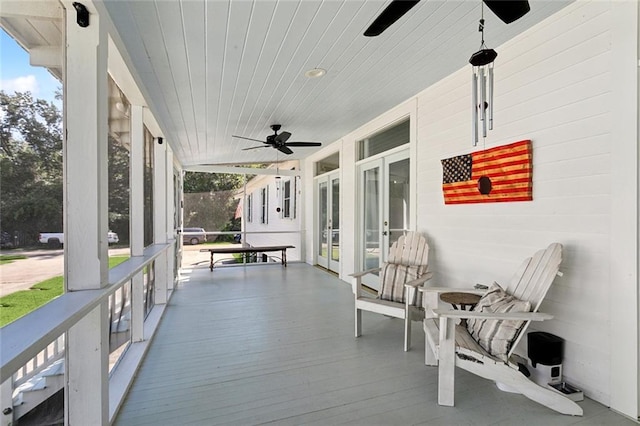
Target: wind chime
[[482, 86], [278, 184]]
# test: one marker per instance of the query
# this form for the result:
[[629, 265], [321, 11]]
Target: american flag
[[498, 174]]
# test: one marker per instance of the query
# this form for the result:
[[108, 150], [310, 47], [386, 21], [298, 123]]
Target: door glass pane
[[371, 219], [335, 219], [398, 199], [322, 219]]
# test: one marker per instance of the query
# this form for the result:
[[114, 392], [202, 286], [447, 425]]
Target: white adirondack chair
[[449, 345], [404, 271]]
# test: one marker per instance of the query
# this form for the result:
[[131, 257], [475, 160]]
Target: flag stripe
[[508, 191], [514, 151], [484, 199], [503, 149], [507, 168], [507, 165], [470, 187], [519, 192], [494, 181]]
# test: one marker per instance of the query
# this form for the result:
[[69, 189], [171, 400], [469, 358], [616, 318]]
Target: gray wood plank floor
[[260, 345]]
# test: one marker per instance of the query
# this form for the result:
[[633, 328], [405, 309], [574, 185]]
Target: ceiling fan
[[278, 141], [507, 11]]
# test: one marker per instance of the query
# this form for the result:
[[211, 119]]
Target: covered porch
[[264, 344], [184, 84]]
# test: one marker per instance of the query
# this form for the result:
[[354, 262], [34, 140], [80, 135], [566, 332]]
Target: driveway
[[42, 264], [23, 273]]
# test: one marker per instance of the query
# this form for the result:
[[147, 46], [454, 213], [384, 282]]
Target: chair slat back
[[407, 260], [410, 250], [535, 275], [533, 279]]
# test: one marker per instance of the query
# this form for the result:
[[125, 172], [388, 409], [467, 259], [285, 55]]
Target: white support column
[[624, 303], [180, 208], [6, 402], [136, 217], [85, 214], [170, 231], [160, 218]]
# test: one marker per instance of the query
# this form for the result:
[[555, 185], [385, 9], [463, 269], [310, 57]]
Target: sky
[[17, 75]]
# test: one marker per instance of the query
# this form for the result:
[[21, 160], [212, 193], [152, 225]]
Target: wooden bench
[[247, 250]]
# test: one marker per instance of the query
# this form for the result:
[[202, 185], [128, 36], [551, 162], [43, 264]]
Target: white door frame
[[380, 162], [326, 261]]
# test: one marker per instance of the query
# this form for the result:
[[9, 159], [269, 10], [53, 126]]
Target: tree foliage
[[207, 182], [31, 185], [30, 165], [119, 189], [210, 201]]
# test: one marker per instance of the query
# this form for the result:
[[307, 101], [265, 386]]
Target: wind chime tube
[[483, 100], [491, 97], [474, 106]]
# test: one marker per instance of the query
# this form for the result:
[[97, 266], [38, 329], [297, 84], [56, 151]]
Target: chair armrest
[[362, 273], [439, 290], [518, 316], [418, 282], [357, 285]]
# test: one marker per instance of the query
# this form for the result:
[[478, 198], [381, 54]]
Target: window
[[250, 208], [328, 164], [286, 199], [264, 203], [385, 140]]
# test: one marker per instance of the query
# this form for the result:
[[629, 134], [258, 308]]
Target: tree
[[119, 190], [30, 165], [210, 201], [206, 182]]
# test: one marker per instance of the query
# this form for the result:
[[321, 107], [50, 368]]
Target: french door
[[384, 208], [328, 221]]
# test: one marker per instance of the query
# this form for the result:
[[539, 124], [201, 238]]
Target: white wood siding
[[555, 85], [280, 230]]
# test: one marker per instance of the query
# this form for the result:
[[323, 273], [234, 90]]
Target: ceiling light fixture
[[315, 73]]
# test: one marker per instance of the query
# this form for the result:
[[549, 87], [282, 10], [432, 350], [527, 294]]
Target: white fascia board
[[31, 9], [46, 56], [242, 170]]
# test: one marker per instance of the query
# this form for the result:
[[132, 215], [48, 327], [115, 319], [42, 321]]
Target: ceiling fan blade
[[284, 149], [282, 137], [508, 11], [254, 147], [249, 139], [393, 12], [303, 144]]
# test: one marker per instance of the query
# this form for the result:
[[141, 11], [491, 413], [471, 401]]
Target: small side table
[[463, 300]]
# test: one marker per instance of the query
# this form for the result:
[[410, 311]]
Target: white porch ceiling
[[212, 69]]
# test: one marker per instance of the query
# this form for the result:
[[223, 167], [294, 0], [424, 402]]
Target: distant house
[[271, 209]]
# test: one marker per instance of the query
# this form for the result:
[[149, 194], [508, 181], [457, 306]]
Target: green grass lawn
[[15, 305], [218, 243], [8, 258]]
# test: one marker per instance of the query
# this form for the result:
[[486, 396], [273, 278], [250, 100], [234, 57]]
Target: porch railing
[[36, 340]]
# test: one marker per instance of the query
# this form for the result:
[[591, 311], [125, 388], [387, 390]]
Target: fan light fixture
[[482, 86], [315, 73]]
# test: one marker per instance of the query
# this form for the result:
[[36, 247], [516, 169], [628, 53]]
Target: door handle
[[384, 232]]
